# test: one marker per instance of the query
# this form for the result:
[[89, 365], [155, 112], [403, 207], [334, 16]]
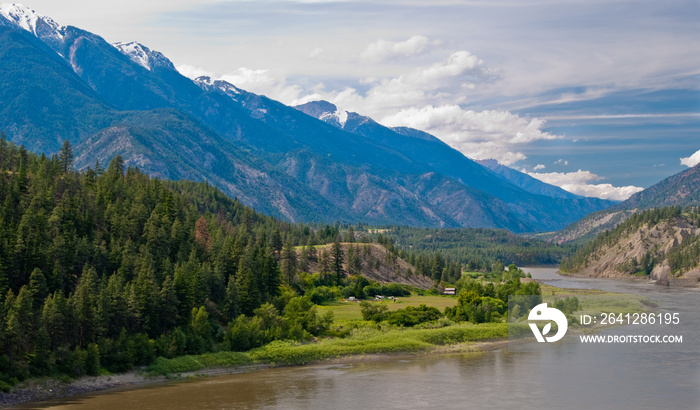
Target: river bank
[[48, 389], [363, 345]]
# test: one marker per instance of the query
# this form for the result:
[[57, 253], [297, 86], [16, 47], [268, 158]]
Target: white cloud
[[445, 82], [692, 160], [477, 134], [259, 81], [193, 72], [316, 52], [539, 167], [263, 82], [438, 88], [561, 162], [579, 183], [382, 50]]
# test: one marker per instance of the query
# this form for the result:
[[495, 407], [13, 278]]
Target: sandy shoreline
[[45, 389]]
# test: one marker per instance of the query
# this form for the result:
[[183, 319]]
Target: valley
[[160, 222]]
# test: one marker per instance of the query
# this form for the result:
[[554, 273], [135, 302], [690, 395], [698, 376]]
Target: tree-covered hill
[[475, 248], [109, 268]]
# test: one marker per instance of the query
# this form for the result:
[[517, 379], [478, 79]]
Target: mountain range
[[309, 163], [682, 189]]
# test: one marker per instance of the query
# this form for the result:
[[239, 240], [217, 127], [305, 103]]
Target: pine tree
[[84, 307], [55, 319], [248, 285], [168, 306], [276, 242], [304, 260], [66, 156], [324, 268], [337, 260], [271, 276], [231, 306], [311, 247], [289, 262], [20, 325], [350, 237], [38, 287]]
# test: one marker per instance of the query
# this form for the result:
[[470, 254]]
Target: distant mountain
[[533, 201], [525, 181], [662, 244], [61, 82], [682, 189]]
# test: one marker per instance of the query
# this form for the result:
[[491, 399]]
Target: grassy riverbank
[[365, 341], [362, 341], [361, 345]]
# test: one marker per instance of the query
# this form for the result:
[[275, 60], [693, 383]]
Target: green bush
[[411, 316]]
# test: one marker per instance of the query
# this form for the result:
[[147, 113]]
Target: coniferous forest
[[109, 268]]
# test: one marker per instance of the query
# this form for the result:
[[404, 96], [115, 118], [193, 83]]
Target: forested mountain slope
[[662, 244], [682, 189], [110, 268], [63, 83]]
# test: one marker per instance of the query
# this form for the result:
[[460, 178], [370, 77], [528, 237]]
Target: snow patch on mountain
[[25, 18], [136, 52], [340, 116], [143, 56], [207, 83], [329, 113]]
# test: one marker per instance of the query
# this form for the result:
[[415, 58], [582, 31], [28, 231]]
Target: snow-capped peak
[[327, 112], [23, 17], [143, 56], [207, 83], [136, 52], [341, 116]]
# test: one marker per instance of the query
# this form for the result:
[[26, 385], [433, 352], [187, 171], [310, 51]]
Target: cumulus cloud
[[193, 72], [692, 160], [262, 81], [539, 167], [561, 162], [579, 183], [444, 82], [477, 134], [316, 52], [396, 101], [382, 50]]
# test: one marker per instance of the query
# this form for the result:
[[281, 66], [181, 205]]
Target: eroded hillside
[[662, 245]]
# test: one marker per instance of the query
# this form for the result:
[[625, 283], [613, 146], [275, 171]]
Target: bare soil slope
[[379, 265], [624, 257]]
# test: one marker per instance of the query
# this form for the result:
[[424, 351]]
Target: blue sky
[[600, 97]]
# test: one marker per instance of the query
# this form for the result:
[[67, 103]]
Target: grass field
[[347, 311]]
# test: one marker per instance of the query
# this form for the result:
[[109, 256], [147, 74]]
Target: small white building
[[450, 291]]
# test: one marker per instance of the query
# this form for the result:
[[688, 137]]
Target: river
[[566, 374]]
